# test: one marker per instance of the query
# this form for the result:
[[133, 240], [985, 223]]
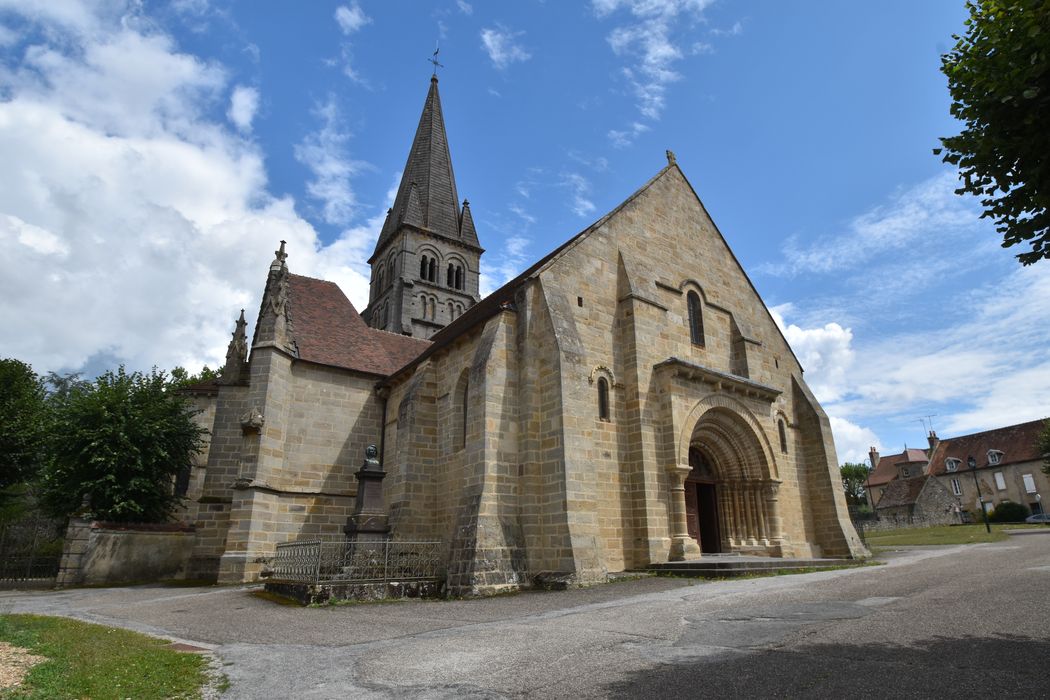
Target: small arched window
[[423, 267], [459, 277], [603, 398], [696, 319], [432, 270], [783, 436], [450, 275], [393, 272], [379, 280]]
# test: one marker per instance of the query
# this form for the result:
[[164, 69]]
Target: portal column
[[776, 523], [682, 545]]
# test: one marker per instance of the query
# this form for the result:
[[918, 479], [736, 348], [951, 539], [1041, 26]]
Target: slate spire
[[428, 171]]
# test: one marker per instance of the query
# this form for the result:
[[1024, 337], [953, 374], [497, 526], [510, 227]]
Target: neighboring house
[[1008, 467], [626, 400], [884, 470], [918, 499]]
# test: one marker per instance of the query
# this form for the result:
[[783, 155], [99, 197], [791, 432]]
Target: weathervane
[[434, 59]]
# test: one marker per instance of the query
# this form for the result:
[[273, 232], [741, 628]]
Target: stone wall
[[98, 553]]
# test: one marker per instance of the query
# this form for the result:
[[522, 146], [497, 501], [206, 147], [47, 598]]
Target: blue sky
[[154, 154]]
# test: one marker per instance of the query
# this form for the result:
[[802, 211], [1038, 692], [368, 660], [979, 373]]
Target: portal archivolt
[[730, 492]]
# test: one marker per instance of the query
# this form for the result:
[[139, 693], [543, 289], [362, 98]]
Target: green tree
[[854, 479], [121, 441], [23, 423], [181, 378], [999, 78]]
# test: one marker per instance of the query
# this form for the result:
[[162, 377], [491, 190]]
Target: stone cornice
[[676, 367]]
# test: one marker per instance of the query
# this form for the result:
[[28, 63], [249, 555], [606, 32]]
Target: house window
[[956, 487], [1029, 483], [783, 436], [904, 472], [1000, 482], [994, 456], [696, 319], [952, 464], [603, 398]]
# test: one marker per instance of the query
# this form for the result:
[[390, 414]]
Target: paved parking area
[[930, 621]]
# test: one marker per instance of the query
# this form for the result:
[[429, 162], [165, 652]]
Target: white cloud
[[325, 153], [736, 30], [622, 139], [852, 441], [825, 354], [987, 370], [465, 7], [134, 225], [580, 189], [649, 39], [351, 18], [928, 211], [244, 103], [525, 216], [501, 45]]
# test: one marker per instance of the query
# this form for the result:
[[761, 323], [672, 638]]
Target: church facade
[[626, 400]]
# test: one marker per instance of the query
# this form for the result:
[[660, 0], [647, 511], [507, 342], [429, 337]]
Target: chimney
[[933, 440], [873, 457]]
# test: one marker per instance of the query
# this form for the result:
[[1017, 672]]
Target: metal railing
[[30, 551], [338, 561]]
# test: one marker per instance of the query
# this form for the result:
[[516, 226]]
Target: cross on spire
[[434, 59]]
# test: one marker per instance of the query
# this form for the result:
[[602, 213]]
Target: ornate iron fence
[[30, 552], [338, 561]]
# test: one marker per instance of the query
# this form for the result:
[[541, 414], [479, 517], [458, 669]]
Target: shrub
[[1009, 512]]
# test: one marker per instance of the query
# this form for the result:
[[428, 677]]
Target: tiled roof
[[329, 331], [886, 470], [902, 492], [1016, 442]]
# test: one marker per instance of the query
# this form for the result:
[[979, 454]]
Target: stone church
[[626, 400]]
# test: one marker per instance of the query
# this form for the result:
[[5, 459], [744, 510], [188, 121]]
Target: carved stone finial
[[236, 354], [670, 157], [279, 256]]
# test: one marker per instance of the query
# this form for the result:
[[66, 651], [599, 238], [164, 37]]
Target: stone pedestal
[[370, 522]]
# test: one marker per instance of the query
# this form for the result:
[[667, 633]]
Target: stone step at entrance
[[729, 565]]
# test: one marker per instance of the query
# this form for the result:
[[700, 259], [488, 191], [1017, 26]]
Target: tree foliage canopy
[[999, 78], [854, 478], [120, 440], [23, 422]]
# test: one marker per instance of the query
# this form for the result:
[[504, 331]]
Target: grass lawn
[[946, 534], [92, 661]]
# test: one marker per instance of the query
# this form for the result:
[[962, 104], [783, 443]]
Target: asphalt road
[[970, 620]]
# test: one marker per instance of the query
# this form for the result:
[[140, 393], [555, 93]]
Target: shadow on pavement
[[1001, 666]]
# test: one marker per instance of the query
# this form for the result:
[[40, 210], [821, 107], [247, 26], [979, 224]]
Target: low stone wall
[[319, 594], [100, 553], [904, 523]]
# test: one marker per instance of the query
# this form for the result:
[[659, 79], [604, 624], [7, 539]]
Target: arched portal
[[730, 495]]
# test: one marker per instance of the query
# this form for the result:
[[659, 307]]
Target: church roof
[[886, 470], [1017, 443], [902, 492], [427, 197], [329, 331]]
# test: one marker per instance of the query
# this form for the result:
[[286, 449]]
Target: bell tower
[[426, 262]]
